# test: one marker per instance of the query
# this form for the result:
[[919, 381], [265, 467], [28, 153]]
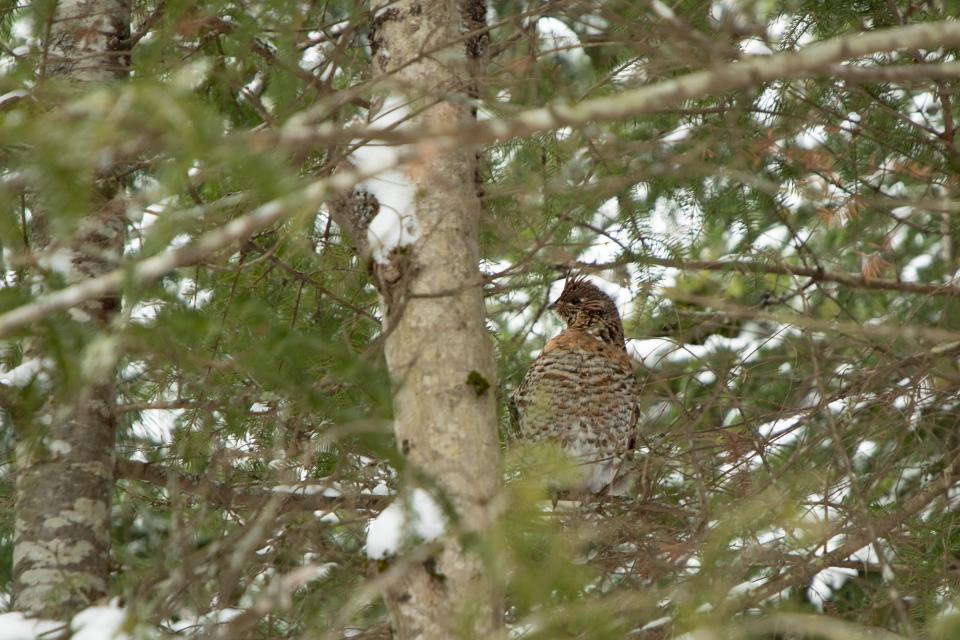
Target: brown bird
[[580, 392]]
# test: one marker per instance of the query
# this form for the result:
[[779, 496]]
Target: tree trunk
[[437, 348], [65, 455]]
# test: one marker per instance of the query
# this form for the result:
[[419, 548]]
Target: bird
[[581, 392]]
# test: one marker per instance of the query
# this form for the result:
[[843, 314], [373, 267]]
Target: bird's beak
[[552, 306]]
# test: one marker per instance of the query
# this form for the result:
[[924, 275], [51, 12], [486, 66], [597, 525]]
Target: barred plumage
[[581, 392]]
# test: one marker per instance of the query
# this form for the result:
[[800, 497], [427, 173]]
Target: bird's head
[[582, 305]]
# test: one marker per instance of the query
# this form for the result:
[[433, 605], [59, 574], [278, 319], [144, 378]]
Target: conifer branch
[[227, 496], [814, 60]]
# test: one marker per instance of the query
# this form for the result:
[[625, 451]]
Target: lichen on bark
[[65, 454]]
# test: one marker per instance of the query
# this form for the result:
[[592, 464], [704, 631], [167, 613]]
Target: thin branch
[[149, 406], [941, 339], [881, 526], [814, 60], [141, 273], [812, 625], [752, 266], [911, 73], [228, 496]]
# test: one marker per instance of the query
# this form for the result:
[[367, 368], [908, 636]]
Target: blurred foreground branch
[[228, 496], [814, 60]]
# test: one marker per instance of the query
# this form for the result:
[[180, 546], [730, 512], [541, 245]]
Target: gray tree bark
[[437, 348], [65, 454]]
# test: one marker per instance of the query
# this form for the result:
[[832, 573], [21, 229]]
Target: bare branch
[[944, 339], [753, 266], [881, 526], [232, 497], [901, 73]]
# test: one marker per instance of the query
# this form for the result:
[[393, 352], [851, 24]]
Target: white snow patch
[[776, 427], [259, 407], [328, 491], [192, 74], [755, 47], [631, 72], [606, 247], [180, 240], [395, 225], [255, 87], [813, 137], [192, 624], [924, 104], [16, 626], [59, 261], [736, 232], [766, 105], [157, 425], [777, 27], [23, 374], [13, 96], [706, 377], [419, 517], [864, 452], [672, 219], [911, 271], [747, 586], [22, 27], [314, 57], [736, 12], [659, 622], [899, 236], [99, 623], [651, 351], [678, 134], [773, 238], [560, 39], [145, 311], [826, 582], [327, 517]]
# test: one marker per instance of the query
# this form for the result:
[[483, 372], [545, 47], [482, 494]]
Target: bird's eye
[[575, 301]]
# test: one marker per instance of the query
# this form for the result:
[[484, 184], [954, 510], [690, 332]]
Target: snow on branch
[[812, 61], [858, 281], [419, 518], [820, 59], [815, 60], [395, 224], [293, 498]]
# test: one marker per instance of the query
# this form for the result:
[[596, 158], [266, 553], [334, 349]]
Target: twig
[[232, 497], [752, 266], [812, 61]]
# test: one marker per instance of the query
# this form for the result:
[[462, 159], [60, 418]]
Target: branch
[[809, 624], [751, 266], [231, 497], [814, 60], [881, 526], [899, 73], [150, 269], [942, 339]]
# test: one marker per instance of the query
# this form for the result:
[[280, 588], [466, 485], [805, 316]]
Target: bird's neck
[[609, 331]]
